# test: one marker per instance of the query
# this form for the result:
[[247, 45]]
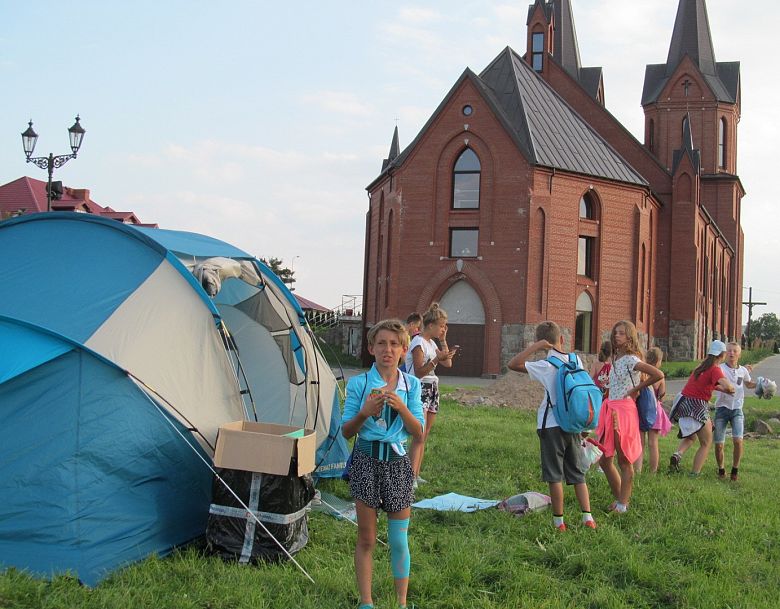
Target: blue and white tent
[[117, 368]]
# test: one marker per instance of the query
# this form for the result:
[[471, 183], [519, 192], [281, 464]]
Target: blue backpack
[[579, 400]]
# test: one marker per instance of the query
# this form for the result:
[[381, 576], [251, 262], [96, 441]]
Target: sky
[[261, 123]]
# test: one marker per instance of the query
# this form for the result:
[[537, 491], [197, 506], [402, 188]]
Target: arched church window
[[587, 211], [583, 323], [722, 143], [465, 181]]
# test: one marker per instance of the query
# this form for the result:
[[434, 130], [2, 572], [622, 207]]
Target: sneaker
[[561, 527], [721, 473], [734, 475], [674, 463], [420, 480], [591, 524], [414, 484]]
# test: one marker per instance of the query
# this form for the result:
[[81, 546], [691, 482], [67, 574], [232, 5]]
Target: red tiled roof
[[309, 305], [28, 196]]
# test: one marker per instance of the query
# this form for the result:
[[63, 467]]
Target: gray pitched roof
[[556, 135], [590, 79], [691, 37], [546, 130]]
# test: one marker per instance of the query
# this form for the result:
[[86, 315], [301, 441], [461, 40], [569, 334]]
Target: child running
[[383, 407], [662, 424], [618, 428], [691, 407], [421, 360], [561, 454], [729, 409]]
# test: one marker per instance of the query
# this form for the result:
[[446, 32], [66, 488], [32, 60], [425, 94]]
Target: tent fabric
[[29, 347], [84, 492], [116, 371]]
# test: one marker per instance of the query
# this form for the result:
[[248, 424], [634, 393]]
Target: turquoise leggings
[[397, 535]]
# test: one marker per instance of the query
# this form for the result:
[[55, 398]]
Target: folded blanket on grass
[[452, 502]]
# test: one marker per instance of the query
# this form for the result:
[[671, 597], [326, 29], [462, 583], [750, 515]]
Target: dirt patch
[[513, 390]]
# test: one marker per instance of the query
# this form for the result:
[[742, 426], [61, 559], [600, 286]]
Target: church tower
[[692, 107]]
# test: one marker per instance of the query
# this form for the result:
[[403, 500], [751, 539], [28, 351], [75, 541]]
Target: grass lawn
[[685, 543]]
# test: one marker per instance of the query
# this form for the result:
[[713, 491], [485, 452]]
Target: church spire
[[394, 150], [691, 36], [565, 47]]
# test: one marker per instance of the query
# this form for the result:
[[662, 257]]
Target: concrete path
[[458, 381], [770, 368]]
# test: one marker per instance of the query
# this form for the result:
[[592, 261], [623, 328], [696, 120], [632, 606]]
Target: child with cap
[[729, 409], [691, 407]]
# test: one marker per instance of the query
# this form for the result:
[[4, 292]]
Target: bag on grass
[[579, 400], [521, 504]]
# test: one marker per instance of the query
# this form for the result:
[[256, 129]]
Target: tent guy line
[[249, 512]]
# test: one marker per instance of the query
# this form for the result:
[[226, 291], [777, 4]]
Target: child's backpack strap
[[557, 364]]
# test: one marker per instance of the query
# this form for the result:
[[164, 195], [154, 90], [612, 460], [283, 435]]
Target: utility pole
[[750, 304]]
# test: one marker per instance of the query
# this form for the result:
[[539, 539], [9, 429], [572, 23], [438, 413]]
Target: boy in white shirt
[[561, 453], [729, 409]]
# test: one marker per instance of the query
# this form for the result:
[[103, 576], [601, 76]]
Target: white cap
[[717, 347]]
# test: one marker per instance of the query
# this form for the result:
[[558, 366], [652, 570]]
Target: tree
[[766, 327], [286, 275]]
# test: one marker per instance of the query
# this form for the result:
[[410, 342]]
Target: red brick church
[[523, 199]]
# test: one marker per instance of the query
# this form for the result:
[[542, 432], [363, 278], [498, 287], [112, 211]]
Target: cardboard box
[[263, 447]]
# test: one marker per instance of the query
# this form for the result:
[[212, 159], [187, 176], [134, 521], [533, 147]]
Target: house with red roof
[[28, 196]]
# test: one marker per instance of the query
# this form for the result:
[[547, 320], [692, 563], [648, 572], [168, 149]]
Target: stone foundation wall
[[682, 340]]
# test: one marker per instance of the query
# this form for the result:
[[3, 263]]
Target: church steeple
[[551, 31], [691, 36], [394, 150], [565, 47]]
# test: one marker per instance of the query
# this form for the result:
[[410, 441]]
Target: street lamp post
[[29, 139], [292, 272]]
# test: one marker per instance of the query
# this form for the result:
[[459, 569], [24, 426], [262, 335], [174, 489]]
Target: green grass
[[685, 543], [683, 369]]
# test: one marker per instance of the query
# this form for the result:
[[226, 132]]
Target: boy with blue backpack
[[570, 406]]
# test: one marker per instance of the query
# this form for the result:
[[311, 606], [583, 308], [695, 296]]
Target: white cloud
[[417, 14], [341, 102]]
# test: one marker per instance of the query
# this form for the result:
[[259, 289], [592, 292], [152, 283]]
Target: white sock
[[620, 507], [558, 520], [586, 517]]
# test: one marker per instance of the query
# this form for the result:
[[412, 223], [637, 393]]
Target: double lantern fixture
[[49, 163]]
